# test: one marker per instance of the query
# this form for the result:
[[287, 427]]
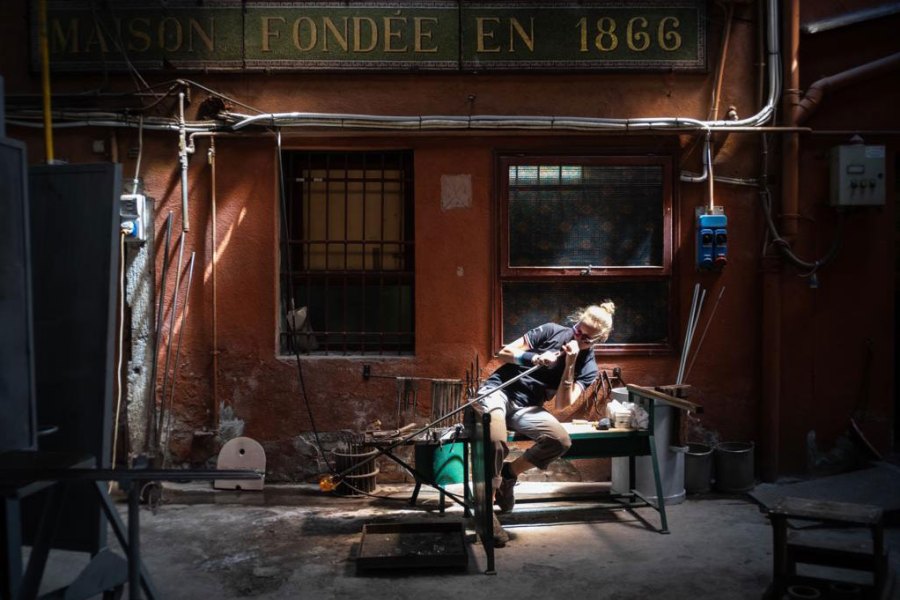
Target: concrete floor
[[296, 542]]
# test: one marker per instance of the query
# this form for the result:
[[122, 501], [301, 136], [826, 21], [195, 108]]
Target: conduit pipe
[[720, 72], [770, 406], [817, 91], [211, 157], [790, 142], [183, 152], [238, 121], [852, 18]]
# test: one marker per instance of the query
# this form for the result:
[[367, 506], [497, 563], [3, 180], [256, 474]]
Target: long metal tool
[[328, 482], [709, 320], [150, 430], [173, 308], [171, 401]]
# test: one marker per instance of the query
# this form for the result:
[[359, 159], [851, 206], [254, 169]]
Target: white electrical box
[[133, 211], [857, 175]]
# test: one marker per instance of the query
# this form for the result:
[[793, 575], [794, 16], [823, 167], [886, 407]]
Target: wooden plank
[[668, 399], [827, 511], [678, 390]]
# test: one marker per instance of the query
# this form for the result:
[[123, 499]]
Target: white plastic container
[[671, 459]]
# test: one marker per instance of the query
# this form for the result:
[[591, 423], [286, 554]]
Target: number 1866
[[638, 34]]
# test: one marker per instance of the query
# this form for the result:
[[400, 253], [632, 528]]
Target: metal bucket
[[360, 479], [670, 458], [803, 592], [734, 466], [698, 468]]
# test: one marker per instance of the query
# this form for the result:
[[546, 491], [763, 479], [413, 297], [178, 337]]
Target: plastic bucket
[[734, 466], [448, 464], [698, 468]]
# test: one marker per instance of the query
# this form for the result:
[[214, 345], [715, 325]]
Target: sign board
[[427, 35]]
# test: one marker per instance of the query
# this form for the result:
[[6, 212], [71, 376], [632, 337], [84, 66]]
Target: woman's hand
[[571, 351], [547, 358]]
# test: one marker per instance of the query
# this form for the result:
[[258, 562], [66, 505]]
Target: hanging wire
[[774, 237], [121, 336], [288, 300]]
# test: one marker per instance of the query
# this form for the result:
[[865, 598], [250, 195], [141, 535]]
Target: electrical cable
[[102, 30], [220, 95], [137, 164], [289, 302], [288, 299], [774, 238], [121, 336], [237, 121], [784, 247]]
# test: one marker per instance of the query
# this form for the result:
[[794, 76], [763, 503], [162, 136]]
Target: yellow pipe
[[45, 79]]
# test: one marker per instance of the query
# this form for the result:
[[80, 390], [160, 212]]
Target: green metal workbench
[[587, 442]]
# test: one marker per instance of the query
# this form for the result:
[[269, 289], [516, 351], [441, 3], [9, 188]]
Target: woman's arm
[[519, 352], [569, 390]]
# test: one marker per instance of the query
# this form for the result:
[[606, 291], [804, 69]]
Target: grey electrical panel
[[2, 109], [74, 227], [18, 419], [857, 175]]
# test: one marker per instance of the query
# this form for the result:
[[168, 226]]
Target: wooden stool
[[787, 553]]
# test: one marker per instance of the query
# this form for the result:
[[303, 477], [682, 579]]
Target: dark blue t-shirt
[[541, 385]]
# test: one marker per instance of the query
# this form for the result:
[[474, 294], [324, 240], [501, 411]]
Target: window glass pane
[[523, 175], [606, 216], [548, 175], [571, 175], [642, 308]]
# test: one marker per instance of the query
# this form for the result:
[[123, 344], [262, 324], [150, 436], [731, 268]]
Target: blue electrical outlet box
[[712, 241]]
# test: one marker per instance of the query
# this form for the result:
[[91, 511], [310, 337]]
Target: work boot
[[505, 496], [500, 535]]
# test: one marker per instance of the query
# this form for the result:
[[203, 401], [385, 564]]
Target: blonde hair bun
[[609, 306]]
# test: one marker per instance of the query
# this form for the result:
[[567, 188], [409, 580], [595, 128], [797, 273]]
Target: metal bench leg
[[660, 498], [415, 494], [11, 567]]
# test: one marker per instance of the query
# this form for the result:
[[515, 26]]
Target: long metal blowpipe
[[328, 483]]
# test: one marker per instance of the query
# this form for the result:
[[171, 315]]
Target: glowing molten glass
[[327, 483]]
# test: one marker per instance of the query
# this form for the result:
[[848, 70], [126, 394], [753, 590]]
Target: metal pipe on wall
[[770, 363], [791, 142], [183, 152], [813, 97], [215, 330], [770, 360], [45, 80]]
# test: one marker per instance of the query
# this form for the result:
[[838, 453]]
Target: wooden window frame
[[562, 274]]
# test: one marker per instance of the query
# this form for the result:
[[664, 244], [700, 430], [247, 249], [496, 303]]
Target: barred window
[[349, 252], [578, 230]]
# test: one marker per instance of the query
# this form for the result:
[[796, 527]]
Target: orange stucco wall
[[826, 332]]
